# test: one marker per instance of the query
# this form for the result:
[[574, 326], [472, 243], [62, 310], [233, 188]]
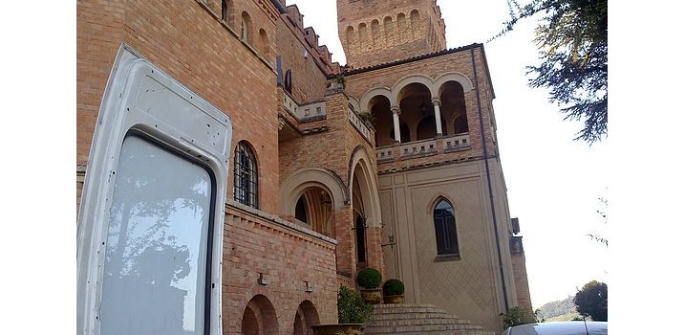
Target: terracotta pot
[[394, 299], [372, 296], [341, 328]]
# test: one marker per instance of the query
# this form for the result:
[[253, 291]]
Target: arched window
[[246, 31], [362, 36], [389, 31], [226, 9], [445, 229], [350, 36], [401, 28], [264, 44], [246, 183], [288, 81], [300, 210]]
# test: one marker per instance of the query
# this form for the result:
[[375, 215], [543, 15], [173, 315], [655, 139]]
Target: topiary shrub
[[351, 308], [393, 287], [369, 278]]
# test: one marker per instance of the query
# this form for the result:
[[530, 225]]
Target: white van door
[[151, 217]]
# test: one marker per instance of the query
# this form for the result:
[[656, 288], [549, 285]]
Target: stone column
[[395, 118], [438, 115]]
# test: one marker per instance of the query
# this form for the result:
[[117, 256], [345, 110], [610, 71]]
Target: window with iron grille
[[445, 229], [246, 183]]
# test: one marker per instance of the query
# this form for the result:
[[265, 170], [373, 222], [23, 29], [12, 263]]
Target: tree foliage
[[573, 41], [519, 315], [603, 213], [592, 301], [351, 308], [557, 308]]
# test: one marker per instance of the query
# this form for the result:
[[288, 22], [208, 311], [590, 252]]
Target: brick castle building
[[231, 176]]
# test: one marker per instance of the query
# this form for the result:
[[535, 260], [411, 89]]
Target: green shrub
[[351, 308], [518, 316], [393, 287], [369, 278]]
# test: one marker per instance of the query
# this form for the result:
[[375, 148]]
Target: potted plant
[[352, 312], [341, 81], [369, 279], [393, 291], [368, 118]]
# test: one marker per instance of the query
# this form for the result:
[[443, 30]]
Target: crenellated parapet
[[320, 53], [376, 32]]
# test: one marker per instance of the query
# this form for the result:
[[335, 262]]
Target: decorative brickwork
[[320, 166], [385, 30]]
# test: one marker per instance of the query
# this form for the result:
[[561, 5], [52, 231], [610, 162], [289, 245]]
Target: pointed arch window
[[445, 229], [246, 183]]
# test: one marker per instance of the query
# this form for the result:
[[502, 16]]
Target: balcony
[[309, 112], [424, 148], [360, 125]]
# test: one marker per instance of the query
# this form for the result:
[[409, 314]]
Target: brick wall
[[521, 283], [190, 43], [383, 31], [287, 257], [308, 79], [332, 150]]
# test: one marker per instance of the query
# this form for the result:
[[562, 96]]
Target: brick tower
[[381, 31]]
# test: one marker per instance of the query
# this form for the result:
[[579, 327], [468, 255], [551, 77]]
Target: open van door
[[150, 225]]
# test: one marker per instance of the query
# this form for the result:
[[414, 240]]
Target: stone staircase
[[418, 319]]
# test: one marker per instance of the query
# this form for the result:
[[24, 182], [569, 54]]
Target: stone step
[[419, 322], [447, 332], [418, 327], [406, 308], [411, 316], [418, 319]]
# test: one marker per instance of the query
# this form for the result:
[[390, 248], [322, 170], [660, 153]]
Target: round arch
[[259, 317], [412, 79], [366, 98], [295, 185], [454, 76], [305, 317], [355, 104]]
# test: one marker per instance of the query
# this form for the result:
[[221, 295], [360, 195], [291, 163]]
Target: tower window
[[225, 10], [246, 28]]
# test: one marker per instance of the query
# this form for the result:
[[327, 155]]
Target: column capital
[[395, 110], [436, 102]]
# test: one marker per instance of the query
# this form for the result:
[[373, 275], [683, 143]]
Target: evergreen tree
[[573, 42], [592, 300]]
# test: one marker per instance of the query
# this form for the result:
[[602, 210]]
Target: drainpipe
[[489, 180], [279, 6]]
